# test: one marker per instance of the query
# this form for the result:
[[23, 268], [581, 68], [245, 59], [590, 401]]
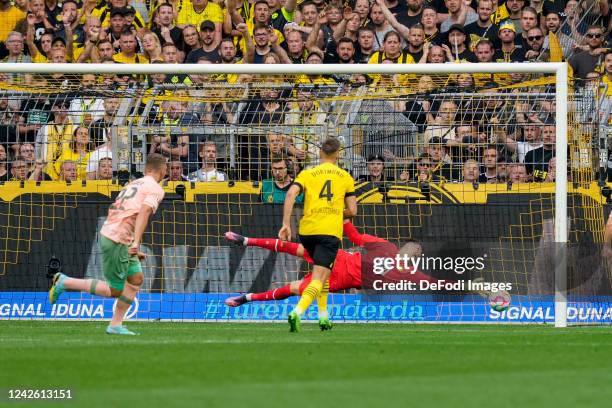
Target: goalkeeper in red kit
[[346, 272]]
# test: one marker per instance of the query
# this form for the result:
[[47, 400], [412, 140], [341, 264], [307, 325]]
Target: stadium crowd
[[66, 136]]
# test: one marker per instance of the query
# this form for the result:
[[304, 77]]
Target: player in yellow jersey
[[329, 198]]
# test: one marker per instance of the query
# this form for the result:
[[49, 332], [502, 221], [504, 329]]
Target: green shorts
[[117, 264]]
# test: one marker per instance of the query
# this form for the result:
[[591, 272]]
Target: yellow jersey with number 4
[[324, 187]]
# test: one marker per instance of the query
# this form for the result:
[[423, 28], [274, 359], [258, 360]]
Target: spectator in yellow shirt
[[116, 27], [392, 51], [103, 12], [45, 45], [128, 54], [79, 151], [54, 137], [9, 16], [199, 11]]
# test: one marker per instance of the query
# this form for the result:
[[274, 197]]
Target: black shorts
[[321, 248]]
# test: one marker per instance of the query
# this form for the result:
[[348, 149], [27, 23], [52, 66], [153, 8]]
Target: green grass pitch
[[364, 365]]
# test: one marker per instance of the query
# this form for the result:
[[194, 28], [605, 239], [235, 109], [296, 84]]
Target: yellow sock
[[308, 295], [322, 300]]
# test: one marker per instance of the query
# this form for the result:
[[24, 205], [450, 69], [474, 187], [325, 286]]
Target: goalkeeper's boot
[[119, 330], [324, 324], [294, 322], [236, 301], [235, 238], [57, 287]]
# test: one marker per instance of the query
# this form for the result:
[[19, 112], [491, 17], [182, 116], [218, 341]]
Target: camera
[[180, 191], [54, 266]]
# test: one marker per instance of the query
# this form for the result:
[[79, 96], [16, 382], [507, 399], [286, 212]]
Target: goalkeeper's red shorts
[[342, 276]]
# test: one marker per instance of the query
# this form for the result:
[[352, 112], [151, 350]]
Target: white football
[[499, 301]]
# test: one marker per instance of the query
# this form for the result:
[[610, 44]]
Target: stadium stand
[[253, 119]]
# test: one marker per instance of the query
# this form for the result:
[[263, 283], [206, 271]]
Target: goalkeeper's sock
[[274, 294], [274, 244], [309, 294], [322, 300], [93, 286]]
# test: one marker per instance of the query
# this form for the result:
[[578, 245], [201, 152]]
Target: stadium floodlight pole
[[557, 68]]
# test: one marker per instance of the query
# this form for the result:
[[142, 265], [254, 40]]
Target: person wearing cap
[[199, 11], [210, 45], [115, 28], [60, 44], [129, 13], [55, 136], [376, 170], [113, 7], [508, 52], [458, 13], [483, 27], [458, 46]]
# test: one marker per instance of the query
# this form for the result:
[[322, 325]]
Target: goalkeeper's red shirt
[[347, 270]]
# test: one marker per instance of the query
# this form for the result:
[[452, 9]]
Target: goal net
[[482, 174]]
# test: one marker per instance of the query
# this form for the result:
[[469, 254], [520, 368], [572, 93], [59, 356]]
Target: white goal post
[[559, 69]]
